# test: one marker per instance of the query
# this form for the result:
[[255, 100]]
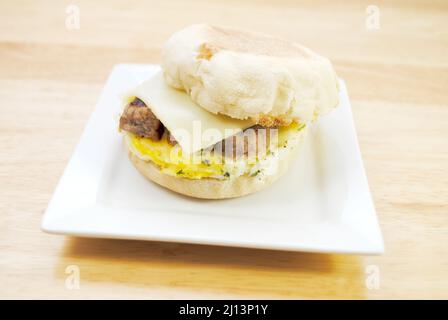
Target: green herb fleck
[[180, 171], [227, 174], [301, 127], [255, 173]]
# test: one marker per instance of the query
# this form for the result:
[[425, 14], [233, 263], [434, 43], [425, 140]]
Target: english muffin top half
[[247, 75]]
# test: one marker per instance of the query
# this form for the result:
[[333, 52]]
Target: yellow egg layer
[[171, 160]]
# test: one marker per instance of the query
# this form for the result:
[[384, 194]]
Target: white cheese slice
[[193, 127]]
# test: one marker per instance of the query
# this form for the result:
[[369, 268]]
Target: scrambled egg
[[172, 161]]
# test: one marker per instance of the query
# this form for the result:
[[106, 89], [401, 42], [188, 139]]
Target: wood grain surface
[[397, 77]]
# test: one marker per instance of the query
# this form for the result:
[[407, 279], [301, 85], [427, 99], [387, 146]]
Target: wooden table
[[51, 75]]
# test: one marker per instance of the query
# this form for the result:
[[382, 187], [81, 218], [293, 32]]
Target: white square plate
[[323, 204]]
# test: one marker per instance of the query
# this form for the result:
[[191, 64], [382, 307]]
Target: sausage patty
[[139, 119]]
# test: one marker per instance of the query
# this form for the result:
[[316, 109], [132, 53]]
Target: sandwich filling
[[253, 152]]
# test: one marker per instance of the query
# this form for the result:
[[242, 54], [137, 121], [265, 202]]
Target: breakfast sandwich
[[227, 112]]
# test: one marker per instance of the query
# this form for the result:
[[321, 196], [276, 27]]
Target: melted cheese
[[193, 127]]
